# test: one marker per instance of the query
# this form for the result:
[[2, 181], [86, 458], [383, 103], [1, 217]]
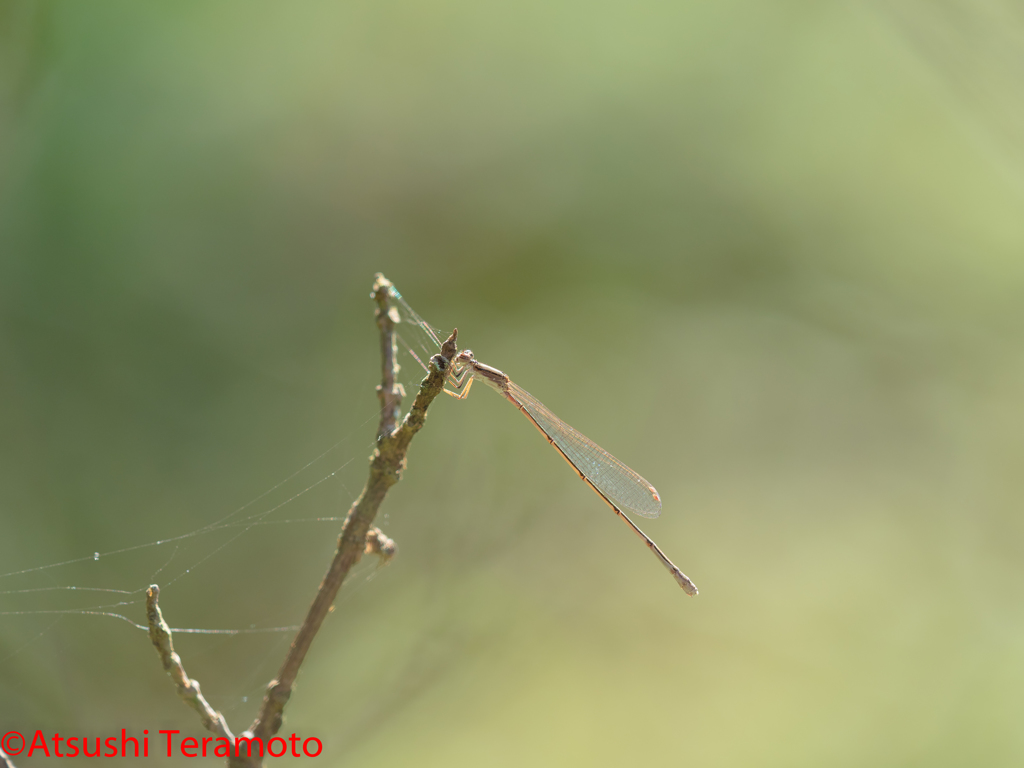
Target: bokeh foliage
[[769, 254]]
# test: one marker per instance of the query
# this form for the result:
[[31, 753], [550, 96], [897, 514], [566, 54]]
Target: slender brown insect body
[[618, 485]]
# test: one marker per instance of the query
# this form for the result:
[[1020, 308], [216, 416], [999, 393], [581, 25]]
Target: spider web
[[110, 584]]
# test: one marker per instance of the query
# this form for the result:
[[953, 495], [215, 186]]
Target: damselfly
[[618, 485]]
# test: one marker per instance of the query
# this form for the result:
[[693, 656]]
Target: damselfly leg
[[462, 382]]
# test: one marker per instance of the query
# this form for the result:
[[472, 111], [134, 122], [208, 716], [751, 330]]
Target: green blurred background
[[768, 254]]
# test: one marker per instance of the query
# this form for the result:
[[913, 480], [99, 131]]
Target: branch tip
[[188, 689]]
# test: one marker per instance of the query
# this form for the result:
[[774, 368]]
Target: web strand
[[423, 338]]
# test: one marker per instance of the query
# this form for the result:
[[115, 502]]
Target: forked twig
[[357, 536]]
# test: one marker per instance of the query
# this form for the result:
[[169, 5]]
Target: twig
[[386, 465], [389, 393], [357, 538], [5, 761], [188, 689]]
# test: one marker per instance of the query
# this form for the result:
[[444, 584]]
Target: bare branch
[[357, 537], [188, 689], [5, 761], [386, 465]]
